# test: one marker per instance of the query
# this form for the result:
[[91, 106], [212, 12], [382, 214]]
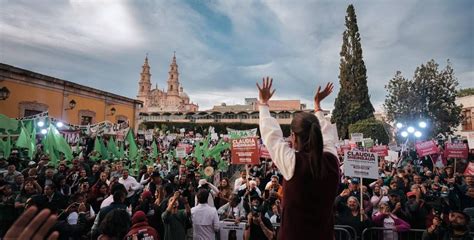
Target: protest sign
[[264, 152], [231, 230], [181, 152], [357, 137], [392, 156], [242, 133], [361, 164], [149, 135], [456, 150], [214, 136], [368, 142], [426, 148], [245, 151], [381, 150], [72, 137]]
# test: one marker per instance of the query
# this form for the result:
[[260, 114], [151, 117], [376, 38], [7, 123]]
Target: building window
[[86, 117], [31, 108], [121, 119], [171, 87], [86, 120]]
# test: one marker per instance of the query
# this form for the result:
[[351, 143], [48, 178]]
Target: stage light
[[59, 124], [44, 131], [399, 125], [41, 123], [411, 129], [418, 134], [404, 134], [422, 124]]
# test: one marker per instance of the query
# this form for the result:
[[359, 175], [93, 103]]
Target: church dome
[[183, 95]]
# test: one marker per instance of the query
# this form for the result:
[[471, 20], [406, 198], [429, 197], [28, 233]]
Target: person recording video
[[258, 226]]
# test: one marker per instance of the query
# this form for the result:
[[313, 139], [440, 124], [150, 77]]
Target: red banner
[[188, 147], [343, 149], [469, 170], [245, 151], [382, 150], [264, 152], [456, 150], [426, 148]]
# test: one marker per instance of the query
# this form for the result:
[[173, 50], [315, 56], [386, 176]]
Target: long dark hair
[[310, 140]]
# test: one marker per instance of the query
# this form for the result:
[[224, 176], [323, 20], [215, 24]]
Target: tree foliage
[[353, 101], [371, 128], [430, 96], [465, 92]]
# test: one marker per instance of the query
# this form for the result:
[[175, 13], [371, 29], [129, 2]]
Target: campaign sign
[[426, 148], [381, 150], [245, 151], [456, 150], [357, 137], [181, 152], [470, 140], [361, 164], [231, 230], [264, 152]]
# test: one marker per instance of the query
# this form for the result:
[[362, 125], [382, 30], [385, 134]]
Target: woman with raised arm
[[309, 167]]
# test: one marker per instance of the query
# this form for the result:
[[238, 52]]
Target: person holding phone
[[311, 163]]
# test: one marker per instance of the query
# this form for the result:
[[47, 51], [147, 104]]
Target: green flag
[[7, 123], [103, 150], [23, 140], [97, 145], [61, 144], [154, 148], [49, 145], [32, 149], [121, 152], [112, 148], [132, 146]]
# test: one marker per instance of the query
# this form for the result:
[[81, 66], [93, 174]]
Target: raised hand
[[33, 226], [320, 95], [264, 92]]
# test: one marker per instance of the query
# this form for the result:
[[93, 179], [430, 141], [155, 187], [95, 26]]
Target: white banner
[[361, 164], [470, 140], [357, 137], [181, 152], [242, 133], [149, 135], [230, 230]]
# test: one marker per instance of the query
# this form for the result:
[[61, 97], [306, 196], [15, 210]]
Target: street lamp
[[72, 105], [59, 124], [418, 134], [422, 124], [411, 129], [112, 112], [404, 134], [399, 125], [4, 93]]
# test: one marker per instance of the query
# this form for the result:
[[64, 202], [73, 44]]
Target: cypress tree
[[353, 101]]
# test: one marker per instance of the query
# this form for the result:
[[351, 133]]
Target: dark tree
[[429, 96], [353, 101]]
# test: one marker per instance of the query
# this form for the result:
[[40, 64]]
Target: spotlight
[[422, 124], [411, 129], [418, 134], [399, 125], [40, 123], [404, 134], [59, 124], [44, 131]]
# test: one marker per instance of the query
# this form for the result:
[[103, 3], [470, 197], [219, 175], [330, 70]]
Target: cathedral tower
[[173, 80], [144, 85]]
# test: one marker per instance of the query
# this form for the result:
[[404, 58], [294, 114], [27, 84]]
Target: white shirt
[[205, 222], [132, 183], [282, 155], [238, 183]]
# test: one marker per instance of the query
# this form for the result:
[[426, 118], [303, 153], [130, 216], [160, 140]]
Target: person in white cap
[[213, 190]]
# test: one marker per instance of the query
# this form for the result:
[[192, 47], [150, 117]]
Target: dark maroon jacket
[[308, 211]]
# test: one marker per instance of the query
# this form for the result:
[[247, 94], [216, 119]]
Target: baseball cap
[[355, 180]]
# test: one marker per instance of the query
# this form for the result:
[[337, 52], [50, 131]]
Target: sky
[[224, 47]]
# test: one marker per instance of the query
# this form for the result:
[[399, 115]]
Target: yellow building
[[32, 93]]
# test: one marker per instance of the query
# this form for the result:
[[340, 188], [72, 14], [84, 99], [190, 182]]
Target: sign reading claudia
[[456, 150], [426, 148], [361, 164], [245, 151]]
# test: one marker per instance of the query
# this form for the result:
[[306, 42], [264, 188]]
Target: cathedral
[[156, 100]]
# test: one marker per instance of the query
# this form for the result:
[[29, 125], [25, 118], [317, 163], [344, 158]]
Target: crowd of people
[[103, 200], [175, 198]]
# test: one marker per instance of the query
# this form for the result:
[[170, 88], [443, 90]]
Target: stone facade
[[156, 100], [467, 124]]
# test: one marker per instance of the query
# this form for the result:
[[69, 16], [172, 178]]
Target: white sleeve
[[282, 155], [329, 132]]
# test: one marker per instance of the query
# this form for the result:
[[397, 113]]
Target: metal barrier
[[341, 232], [387, 233]]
